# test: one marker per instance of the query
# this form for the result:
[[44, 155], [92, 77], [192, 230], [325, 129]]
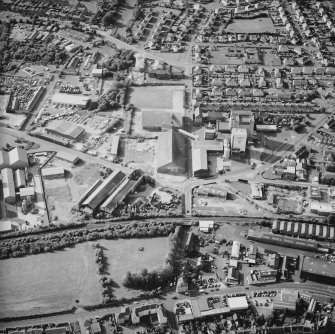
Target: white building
[[238, 141], [235, 250]]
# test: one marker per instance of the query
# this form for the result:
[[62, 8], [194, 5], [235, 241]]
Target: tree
[[108, 19]]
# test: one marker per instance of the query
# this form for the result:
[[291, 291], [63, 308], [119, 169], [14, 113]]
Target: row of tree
[[56, 241], [150, 280]]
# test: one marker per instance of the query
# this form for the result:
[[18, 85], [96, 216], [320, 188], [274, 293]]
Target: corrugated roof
[[8, 183], [318, 267], [67, 156], [106, 188], [199, 159], [66, 129], [171, 149], [19, 178], [17, 154], [53, 171]]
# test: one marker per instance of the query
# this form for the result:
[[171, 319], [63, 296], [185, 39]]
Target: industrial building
[[283, 241], [69, 157], [322, 209], [19, 178], [106, 188], [206, 225], [71, 100], [238, 140], [27, 192], [53, 172], [115, 146], [158, 120], [148, 309], [86, 194], [14, 159], [304, 230], [235, 250], [8, 188], [287, 300], [171, 153], [119, 194], [51, 138], [199, 163], [242, 119], [260, 277], [257, 190], [318, 270], [66, 129], [5, 226]]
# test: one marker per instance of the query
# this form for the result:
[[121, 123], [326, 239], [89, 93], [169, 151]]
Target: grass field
[[123, 256], [48, 282], [258, 25], [167, 97]]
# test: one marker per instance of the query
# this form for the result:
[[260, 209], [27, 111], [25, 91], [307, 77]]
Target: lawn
[[123, 255], [164, 97], [48, 282], [259, 25]]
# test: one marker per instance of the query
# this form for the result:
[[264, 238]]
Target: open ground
[[48, 282], [124, 255], [259, 25]]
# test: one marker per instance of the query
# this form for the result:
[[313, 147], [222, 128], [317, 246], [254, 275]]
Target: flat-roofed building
[[27, 192], [206, 225], [8, 187], [149, 309], [106, 188], [16, 158], [237, 303], [318, 270], [242, 119], [256, 190], [19, 178], [238, 140], [53, 172], [5, 226], [235, 250]]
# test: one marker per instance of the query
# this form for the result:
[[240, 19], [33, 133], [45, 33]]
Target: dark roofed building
[[104, 190], [171, 153], [318, 270]]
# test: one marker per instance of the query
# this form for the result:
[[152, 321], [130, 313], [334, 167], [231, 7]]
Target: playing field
[[123, 255], [162, 97], [48, 282], [259, 25]]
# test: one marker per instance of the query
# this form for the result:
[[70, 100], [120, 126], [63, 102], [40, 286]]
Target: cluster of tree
[[150, 280], [128, 118], [111, 9], [137, 15], [121, 60], [56, 241], [327, 179], [113, 99], [106, 283], [41, 229], [33, 51]]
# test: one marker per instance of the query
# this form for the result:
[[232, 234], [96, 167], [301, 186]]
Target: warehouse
[[19, 178], [199, 162], [156, 121], [171, 153], [115, 146], [73, 159], [107, 187], [53, 139], [14, 159], [8, 187], [318, 270], [53, 172], [256, 190], [283, 241], [87, 193], [27, 192], [126, 187], [304, 230], [235, 250], [266, 128], [237, 303], [71, 100], [66, 129]]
